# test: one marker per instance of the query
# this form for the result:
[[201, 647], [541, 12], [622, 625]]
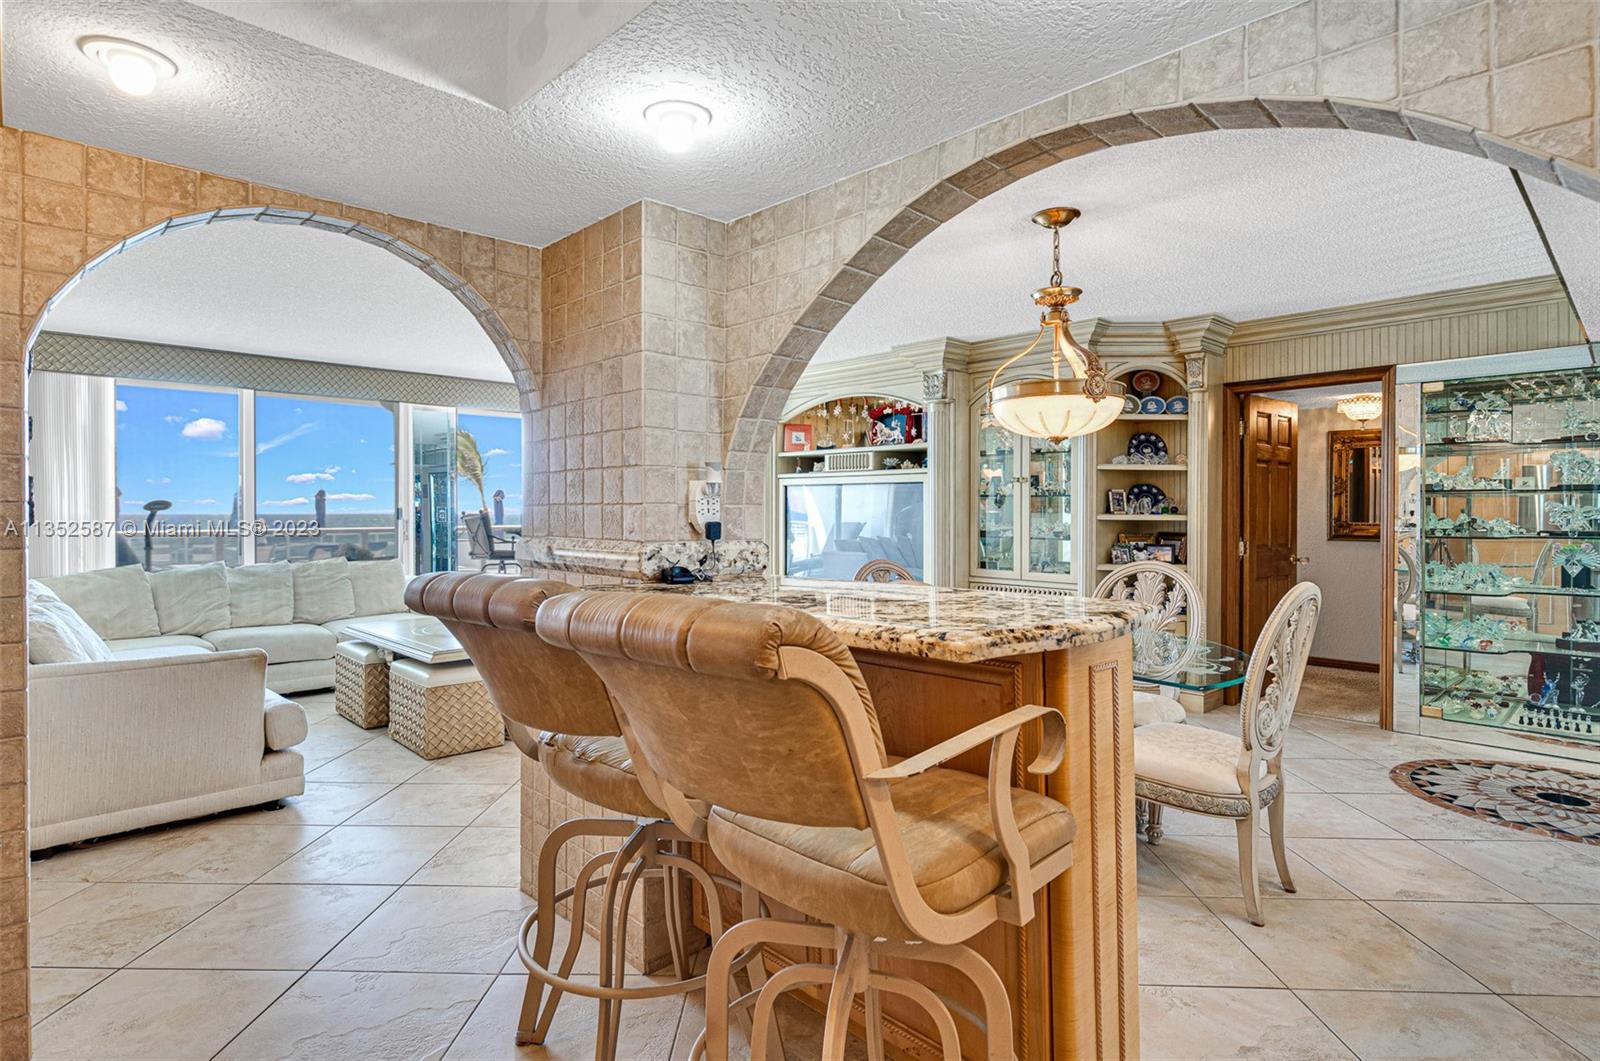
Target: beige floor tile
[[109, 925], [413, 804], [1401, 1024], [377, 760], [435, 930], [50, 989], [1585, 916], [587, 961], [503, 813], [1542, 871], [799, 1026], [1183, 942], [493, 766], [363, 854], [1340, 775], [330, 738], [1154, 876], [171, 1014], [317, 708], [43, 894], [1575, 1020], [1182, 823], [1303, 744], [268, 926], [1397, 869], [323, 803], [1513, 948], [481, 857], [98, 860], [370, 1016], [648, 1028], [1341, 945], [1315, 814], [1206, 1023], [1209, 866], [219, 852], [1421, 820]]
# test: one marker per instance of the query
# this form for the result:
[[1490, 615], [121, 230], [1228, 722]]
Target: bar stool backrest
[[533, 684], [755, 708]]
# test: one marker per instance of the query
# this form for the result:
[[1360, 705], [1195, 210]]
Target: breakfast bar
[[938, 661]]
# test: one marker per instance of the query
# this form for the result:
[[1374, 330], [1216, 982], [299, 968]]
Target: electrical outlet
[[707, 509]]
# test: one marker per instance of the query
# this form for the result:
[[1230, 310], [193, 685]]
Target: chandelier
[[1057, 408], [1360, 407]]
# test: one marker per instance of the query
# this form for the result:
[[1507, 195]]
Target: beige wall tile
[[1345, 23], [1527, 28], [1281, 40], [1456, 45], [1212, 66], [1364, 72], [114, 172], [1549, 91], [1298, 80], [1465, 101], [52, 159]]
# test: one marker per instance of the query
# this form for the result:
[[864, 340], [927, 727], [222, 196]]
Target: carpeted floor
[[1349, 695]]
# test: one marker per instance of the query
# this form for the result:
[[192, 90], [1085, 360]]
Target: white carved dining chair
[[1173, 597], [1225, 776]]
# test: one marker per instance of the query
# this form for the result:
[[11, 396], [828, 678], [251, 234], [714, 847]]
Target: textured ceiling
[[803, 93], [1571, 223], [1246, 224], [285, 291], [497, 52]]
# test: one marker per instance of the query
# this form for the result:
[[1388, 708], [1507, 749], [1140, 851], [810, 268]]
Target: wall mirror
[[1354, 468]]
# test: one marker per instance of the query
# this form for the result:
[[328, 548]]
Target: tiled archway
[[798, 339]]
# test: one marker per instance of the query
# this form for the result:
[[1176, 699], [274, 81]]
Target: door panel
[[1269, 508]]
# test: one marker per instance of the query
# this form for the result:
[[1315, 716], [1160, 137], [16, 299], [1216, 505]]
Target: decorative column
[[946, 392]]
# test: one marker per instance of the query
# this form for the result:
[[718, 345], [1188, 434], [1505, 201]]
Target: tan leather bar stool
[[559, 712], [760, 716]]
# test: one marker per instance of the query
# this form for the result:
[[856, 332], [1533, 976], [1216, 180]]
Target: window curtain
[[72, 459]]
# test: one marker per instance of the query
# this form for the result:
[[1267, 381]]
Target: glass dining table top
[[1161, 657]]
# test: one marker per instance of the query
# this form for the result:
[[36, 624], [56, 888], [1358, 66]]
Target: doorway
[[1309, 498]]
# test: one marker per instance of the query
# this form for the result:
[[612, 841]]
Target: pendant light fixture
[[1083, 401], [1361, 407]]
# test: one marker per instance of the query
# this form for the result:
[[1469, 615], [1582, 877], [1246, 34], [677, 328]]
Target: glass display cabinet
[[1510, 537], [1023, 494]]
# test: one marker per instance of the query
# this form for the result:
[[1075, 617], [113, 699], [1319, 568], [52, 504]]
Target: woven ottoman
[[440, 709], [361, 684]]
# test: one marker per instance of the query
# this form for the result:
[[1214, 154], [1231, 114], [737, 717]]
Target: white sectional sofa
[[155, 698], [295, 613]]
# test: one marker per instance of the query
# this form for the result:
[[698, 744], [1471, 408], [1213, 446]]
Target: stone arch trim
[[780, 369], [486, 316]]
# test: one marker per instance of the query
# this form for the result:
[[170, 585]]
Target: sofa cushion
[[260, 595], [165, 645], [285, 723], [191, 600], [115, 601], [379, 586], [57, 634], [322, 591], [289, 643], [340, 627]]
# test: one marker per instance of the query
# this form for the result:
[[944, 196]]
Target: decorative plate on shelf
[[1178, 405], [1146, 382], [1139, 491], [1147, 444], [1130, 404], [1153, 405]]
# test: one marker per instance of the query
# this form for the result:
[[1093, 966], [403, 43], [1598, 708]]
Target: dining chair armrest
[[1051, 749]]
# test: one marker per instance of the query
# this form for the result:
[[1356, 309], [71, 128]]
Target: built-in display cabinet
[[1140, 492], [1022, 506]]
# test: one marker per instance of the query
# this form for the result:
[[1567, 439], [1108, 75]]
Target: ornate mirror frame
[[1341, 446]]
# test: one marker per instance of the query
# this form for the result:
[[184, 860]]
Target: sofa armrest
[[110, 735]]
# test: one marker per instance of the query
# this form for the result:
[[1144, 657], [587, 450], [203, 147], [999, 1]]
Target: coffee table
[[438, 705]]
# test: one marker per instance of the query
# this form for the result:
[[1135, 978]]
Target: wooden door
[[1267, 519]]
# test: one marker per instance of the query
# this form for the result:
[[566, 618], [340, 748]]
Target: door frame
[[1233, 502]]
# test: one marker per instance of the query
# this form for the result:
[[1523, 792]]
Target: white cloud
[[325, 475], [298, 431], [122, 406], [352, 497], [497, 452], [200, 501], [173, 418], [204, 427], [287, 502]]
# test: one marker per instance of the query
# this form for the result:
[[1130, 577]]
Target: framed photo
[[1160, 552], [796, 437], [1121, 554], [1117, 502]]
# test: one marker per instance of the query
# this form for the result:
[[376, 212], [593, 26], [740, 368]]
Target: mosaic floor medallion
[[1536, 799]]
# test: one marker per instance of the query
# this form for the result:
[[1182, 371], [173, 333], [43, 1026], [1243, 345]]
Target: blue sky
[[183, 446]]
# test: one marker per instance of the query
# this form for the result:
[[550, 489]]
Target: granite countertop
[[961, 625]]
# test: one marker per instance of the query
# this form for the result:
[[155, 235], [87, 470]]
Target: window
[[324, 479], [177, 454], [497, 440]]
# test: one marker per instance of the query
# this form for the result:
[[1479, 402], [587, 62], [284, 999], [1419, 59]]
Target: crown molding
[[1484, 298]]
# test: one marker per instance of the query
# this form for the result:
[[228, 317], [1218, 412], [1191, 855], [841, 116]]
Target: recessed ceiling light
[[677, 123], [132, 68]]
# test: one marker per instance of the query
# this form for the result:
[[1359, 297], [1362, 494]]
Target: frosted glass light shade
[[1361, 407], [1054, 408]]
